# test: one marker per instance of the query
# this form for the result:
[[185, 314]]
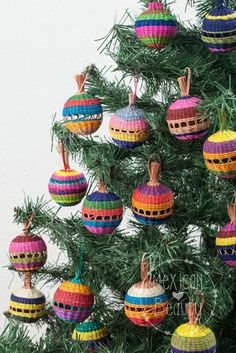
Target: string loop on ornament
[[82, 78], [222, 116], [64, 155], [81, 264], [232, 210], [144, 269], [133, 96], [220, 3], [154, 169], [27, 280], [28, 223], [101, 186], [191, 309], [184, 82]]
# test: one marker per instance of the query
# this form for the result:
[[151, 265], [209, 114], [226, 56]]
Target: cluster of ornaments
[[73, 303], [27, 254]]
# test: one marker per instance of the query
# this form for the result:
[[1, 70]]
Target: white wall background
[[42, 45]]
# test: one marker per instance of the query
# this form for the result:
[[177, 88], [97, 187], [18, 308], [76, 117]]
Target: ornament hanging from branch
[[152, 203], [219, 151], [184, 119], [67, 186], [155, 27], [146, 303], [219, 29], [226, 238], [128, 126], [191, 337], [82, 112], [102, 211]]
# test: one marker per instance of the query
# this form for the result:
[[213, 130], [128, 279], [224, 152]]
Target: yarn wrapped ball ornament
[[146, 303], [219, 29], [27, 304], [155, 27], [90, 335], [128, 126], [219, 153], [73, 301], [152, 203], [67, 187], [82, 112], [191, 337], [226, 238], [102, 211], [27, 252], [184, 120]]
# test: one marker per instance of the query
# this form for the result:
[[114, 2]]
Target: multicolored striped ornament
[[156, 27], [192, 338], [102, 212], [91, 335], [27, 305], [128, 127], [67, 187], [152, 203], [27, 252], [146, 303], [219, 153], [226, 238], [184, 119], [219, 29], [82, 112], [73, 301]]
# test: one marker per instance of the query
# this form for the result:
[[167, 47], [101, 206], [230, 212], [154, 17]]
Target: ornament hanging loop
[[191, 309], [184, 82], [101, 186], [144, 269], [154, 172], [82, 78], [220, 3], [64, 155], [133, 96], [28, 224], [222, 116], [232, 210], [27, 280]]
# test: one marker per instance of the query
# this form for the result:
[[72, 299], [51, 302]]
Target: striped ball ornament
[[67, 187], [128, 126], [219, 153], [91, 335], [155, 27], [73, 301], [184, 119], [102, 212], [152, 203], [27, 252], [192, 338], [82, 112], [146, 303], [226, 238], [27, 305], [219, 29]]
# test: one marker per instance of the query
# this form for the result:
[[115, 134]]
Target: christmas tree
[[180, 255]]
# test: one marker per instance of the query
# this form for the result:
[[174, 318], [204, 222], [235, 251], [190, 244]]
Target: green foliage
[[112, 263]]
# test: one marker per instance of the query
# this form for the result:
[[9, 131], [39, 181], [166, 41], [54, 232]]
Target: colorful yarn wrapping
[[128, 126], [27, 252], [219, 29], [73, 301], [219, 153], [90, 335], [152, 203], [183, 117], [155, 27], [82, 112], [226, 239], [27, 305], [146, 303], [192, 338], [67, 187], [102, 212]]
